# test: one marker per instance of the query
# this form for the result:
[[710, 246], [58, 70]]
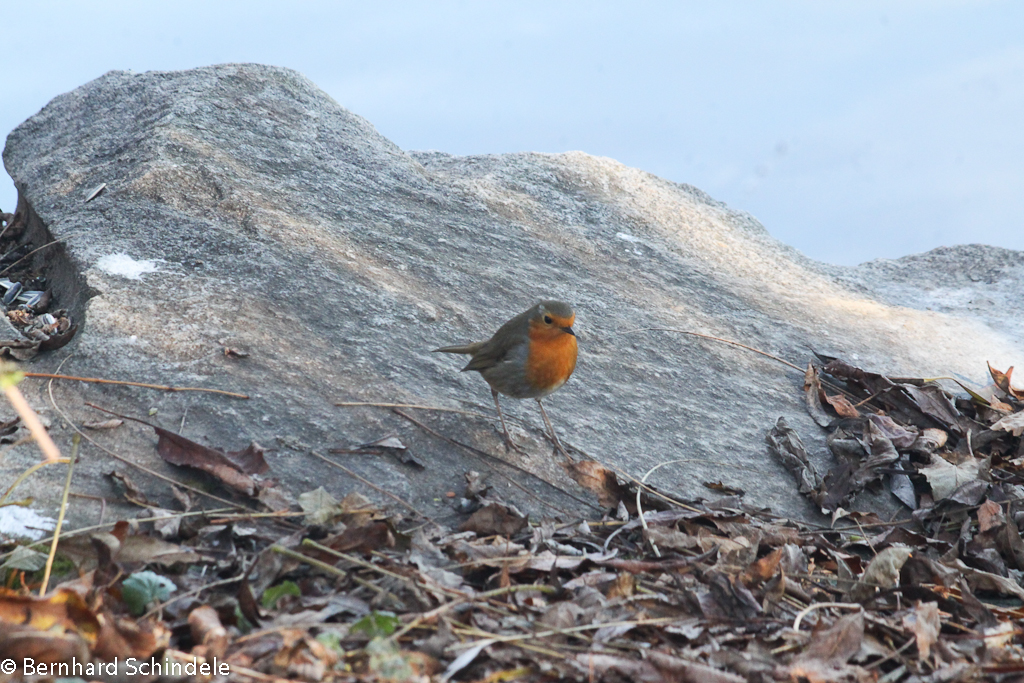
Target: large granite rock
[[275, 221]]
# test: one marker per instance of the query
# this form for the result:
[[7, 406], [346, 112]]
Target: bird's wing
[[492, 353], [463, 348]]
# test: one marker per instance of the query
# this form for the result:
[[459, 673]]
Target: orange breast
[[551, 360]]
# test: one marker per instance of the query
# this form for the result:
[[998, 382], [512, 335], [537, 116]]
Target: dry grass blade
[[159, 387], [717, 339], [37, 249], [823, 605], [27, 473], [448, 606], [75, 442], [436, 409], [378, 489], [493, 458], [9, 379], [137, 466]]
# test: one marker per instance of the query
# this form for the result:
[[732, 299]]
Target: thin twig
[[27, 473], [9, 222], [639, 506], [448, 606], [31, 420], [356, 404], [494, 458], [126, 461], [657, 621], [95, 527], [650, 491], [76, 441], [718, 339], [189, 594], [331, 569], [355, 560], [160, 387], [892, 655], [821, 605], [376, 488], [48, 244]]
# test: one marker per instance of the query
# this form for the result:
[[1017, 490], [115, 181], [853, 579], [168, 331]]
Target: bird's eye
[[548, 319]]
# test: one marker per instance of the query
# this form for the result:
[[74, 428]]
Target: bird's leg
[[509, 444], [554, 437]]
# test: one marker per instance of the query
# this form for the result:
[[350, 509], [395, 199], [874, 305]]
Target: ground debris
[[701, 591]]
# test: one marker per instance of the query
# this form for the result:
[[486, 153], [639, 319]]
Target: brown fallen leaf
[[990, 516], [944, 477], [132, 493], [45, 647], [64, 611], [812, 396], [146, 549], [883, 572], [1003, 381], [103, 424], [785, 444], [602, 482], [728, 599], [121, 637], [597, 667], [302, 656], [362, 539], [495, 519], [763, 569], [233, 469], [836, 644], [687, 671], [1011, 423], [724, 489], [207, 631], [924, 623], [842, 406]]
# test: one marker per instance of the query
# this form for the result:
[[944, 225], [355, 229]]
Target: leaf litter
[[317, 589]]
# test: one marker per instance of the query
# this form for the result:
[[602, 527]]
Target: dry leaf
[[104, 424], [600, 480], [925, 625], [233, 469], [944, 477], [207, 631], [883, 572], [1011, 423], [495, 519]]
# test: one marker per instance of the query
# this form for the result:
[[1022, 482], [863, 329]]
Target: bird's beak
[[569, 330]]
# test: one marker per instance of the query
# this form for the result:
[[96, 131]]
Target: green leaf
[[388, 661], [332, 641], [275, 593], [142, 588], [10, 375], [376, 624], [241, 622]]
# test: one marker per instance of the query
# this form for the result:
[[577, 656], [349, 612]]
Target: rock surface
[[245, 208]]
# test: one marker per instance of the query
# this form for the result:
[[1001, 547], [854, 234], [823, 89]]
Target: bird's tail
[[465, 348]]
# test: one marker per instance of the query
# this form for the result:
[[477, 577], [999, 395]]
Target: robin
[[530, 356]]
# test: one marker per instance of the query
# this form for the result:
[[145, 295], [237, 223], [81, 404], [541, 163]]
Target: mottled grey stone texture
[[282, 224]]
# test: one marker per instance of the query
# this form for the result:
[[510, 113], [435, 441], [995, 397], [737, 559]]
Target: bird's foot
[[511, 445], [559, 449]]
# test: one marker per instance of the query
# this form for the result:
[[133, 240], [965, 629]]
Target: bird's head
[[551, 319]]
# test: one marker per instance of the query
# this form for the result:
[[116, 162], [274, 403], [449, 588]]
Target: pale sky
[[852, 129]]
